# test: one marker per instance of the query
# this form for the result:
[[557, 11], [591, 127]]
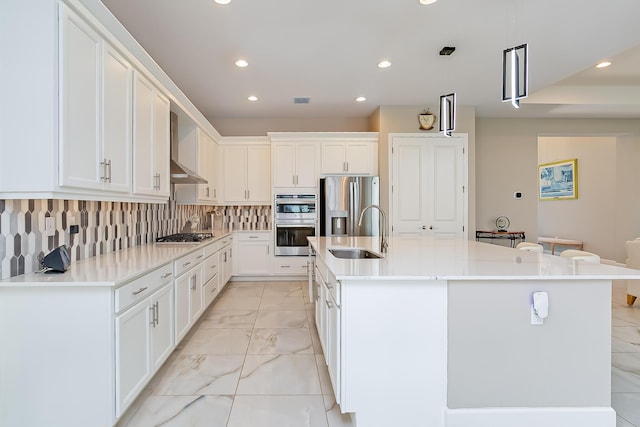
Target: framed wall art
[[558, 180]]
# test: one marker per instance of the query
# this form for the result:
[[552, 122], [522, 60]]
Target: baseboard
[[531, 417], [298, 278]]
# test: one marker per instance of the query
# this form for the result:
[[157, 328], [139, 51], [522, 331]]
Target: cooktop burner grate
[[184, 238]]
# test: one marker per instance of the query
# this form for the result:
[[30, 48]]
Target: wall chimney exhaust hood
[[179, 173]]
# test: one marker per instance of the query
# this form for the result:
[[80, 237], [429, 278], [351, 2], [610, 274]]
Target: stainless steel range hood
[[179, 173]]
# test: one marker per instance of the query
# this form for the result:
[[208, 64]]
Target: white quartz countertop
[[427, 258], [114, 268]]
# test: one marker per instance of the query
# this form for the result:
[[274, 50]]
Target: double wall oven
[[295, 218]]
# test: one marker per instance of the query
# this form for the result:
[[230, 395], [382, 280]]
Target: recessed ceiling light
[[603, 64], [427, 1], [361, 99], [241, 63], [222, 1], [252, 98], [384, 64]]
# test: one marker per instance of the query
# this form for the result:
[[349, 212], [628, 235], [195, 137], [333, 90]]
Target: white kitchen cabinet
[[162, 334], [226, 261], [295, 164], [143, 333], [198, 151], [210, 274], [150, 139], [289, 265], [247, 173], [188, 292], [95, 109], [328, 323], [358, 157], [253, 253], [133, 357]]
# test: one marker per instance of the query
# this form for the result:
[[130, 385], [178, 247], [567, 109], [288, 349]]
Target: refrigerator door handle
[[354, 208]]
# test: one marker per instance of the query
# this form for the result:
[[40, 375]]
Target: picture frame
[[558, 180]]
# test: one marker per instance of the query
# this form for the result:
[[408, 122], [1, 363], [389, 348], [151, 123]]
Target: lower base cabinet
[[328, 323], [143, 335]]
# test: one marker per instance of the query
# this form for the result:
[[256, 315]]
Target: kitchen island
[[441, 333]]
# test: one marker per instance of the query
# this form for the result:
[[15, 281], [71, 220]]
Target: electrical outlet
[[49, 226]]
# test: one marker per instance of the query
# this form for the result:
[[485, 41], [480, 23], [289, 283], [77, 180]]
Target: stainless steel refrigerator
[[342, 200]]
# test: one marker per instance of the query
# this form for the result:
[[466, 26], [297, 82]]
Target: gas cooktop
[[185, 238]]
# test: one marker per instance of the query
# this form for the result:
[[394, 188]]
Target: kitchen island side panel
[[497, 358], [394, 352], [56, 357]]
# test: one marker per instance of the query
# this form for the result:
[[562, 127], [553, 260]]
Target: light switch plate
[[49, 226]]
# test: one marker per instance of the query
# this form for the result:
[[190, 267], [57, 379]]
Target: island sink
[[348, 253]]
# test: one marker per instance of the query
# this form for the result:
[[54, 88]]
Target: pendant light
[[515, 69], [447, 103]]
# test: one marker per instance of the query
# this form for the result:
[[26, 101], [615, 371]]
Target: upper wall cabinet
[[295, 165], [95, 110], [150, 139], [247, 173], [77, 142], [200, 152], [350, 157]]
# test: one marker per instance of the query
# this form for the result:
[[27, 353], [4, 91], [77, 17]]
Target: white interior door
[[429, 185]]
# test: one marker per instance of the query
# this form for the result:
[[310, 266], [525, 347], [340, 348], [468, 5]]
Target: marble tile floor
[[625, 358], [252, 360]]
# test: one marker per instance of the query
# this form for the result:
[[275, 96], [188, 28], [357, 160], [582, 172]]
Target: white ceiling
[[328, 50]]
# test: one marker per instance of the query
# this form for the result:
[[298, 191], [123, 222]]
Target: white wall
[[584, 218], [507, 160]]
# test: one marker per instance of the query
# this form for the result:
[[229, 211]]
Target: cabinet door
[[80, 58], [306, 165], [333, 158], [284, 159], [162, 335], [253, 258], [144, 181], [333, 344], [358, 158], [235, 173], [182, 300], [133, 366], [428, 181], [204, 153], [161, 144], [259, 173], [214, 171], [116, 121], [195, 294]]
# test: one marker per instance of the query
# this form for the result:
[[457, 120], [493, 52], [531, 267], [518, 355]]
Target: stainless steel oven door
[[291, 237]]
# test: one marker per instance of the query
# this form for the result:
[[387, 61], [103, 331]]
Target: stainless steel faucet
[[383, 238]]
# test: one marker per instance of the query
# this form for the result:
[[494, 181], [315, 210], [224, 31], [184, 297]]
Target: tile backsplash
[[102, 227]]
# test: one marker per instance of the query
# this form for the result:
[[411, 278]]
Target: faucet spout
[[383, 235]]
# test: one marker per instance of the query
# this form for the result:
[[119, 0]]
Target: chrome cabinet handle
[[199, 256], [108, 165], [139, 291], [164, 276], [186, 263], [152, 314]]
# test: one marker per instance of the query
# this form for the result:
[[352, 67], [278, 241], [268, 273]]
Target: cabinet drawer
[[256, 236], [210, 267], [187, 262], [211, 249], [210, 290], [290, 265], [142, 287]]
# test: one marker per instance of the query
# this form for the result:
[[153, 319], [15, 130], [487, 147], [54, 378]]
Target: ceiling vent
[[447, 50], [301, 100]]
